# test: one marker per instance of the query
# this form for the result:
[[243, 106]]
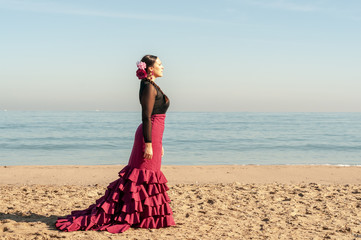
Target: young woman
[[138, 198]]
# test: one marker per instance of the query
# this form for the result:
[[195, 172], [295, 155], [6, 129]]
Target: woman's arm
[[147, 101]]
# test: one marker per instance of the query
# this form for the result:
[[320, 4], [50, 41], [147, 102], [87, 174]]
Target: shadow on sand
[[32, 217]]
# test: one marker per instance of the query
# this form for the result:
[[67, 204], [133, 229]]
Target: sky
[[219, 56]]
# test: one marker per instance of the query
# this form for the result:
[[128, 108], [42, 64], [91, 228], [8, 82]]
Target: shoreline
[[183, 174], [180, 165]]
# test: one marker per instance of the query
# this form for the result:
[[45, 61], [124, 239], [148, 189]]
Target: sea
[[190, 138]]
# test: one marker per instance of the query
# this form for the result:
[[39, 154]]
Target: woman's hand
[[148, 152], [162, 151]]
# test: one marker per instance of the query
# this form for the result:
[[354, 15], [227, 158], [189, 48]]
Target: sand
[[209, 202]]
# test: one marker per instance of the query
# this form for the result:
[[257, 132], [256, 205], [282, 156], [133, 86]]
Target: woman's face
[[157, 68]]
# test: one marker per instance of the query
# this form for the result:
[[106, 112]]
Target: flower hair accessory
[[141, 65], [141, 73]]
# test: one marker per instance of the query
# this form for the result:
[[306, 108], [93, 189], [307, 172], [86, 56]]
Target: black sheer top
[[153, 101]]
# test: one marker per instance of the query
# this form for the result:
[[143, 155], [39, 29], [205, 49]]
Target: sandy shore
[[209, 202]]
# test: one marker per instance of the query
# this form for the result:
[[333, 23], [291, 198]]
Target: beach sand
[[209, 202]]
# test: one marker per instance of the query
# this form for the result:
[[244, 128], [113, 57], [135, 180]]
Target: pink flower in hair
[[141, 65]]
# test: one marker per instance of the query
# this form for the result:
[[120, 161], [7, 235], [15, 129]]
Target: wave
[[58, 147]]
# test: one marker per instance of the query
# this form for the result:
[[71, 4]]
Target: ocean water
[[190, 138]]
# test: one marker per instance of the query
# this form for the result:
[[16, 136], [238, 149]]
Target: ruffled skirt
[[138, 198]]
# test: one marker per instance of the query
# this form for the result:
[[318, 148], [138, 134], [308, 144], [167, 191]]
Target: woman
[[138, 198]]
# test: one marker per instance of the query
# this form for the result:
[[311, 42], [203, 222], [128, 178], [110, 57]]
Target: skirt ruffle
[[137, 199]]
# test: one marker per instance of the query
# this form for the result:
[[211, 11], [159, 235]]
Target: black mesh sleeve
[[147, 100]]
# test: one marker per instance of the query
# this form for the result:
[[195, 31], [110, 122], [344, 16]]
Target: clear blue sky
[[246, 55]]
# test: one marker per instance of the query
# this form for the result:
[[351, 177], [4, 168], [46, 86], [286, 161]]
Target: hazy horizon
[[219, 56]]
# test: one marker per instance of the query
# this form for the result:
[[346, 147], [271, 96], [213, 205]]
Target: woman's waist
[[158, 117]]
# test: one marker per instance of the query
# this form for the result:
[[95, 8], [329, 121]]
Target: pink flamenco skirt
[[138, 198]]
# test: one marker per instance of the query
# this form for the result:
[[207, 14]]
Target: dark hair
[[149, 61]]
